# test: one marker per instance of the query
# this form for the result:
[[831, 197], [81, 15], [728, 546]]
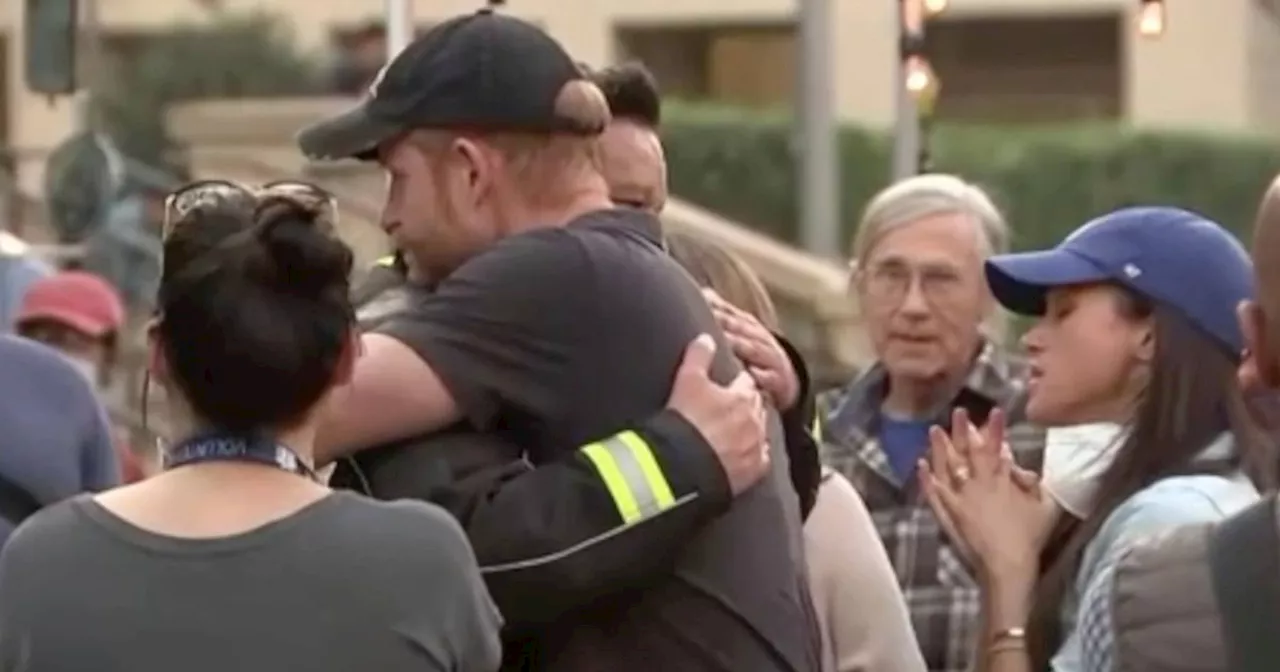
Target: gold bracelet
[[1007, 647], [1017, 634], [1009, 639]]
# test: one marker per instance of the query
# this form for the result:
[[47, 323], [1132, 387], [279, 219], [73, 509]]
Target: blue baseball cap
[[1168, 255]]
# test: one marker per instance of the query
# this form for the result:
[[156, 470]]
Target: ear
[[478, 163], [1145, 341]]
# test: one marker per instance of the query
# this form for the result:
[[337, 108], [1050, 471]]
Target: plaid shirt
[[940, 591]]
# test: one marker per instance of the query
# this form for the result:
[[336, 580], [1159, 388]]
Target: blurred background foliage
[[1048, 179], [741, 163], [241, 55]]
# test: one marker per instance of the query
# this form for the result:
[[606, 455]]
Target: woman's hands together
[[994, 510]]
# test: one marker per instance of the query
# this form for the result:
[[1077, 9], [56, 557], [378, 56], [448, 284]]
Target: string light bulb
[[1151, 18], [921, 83], [935, 7]]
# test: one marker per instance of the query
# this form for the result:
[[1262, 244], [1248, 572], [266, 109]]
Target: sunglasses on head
[[215, 193]]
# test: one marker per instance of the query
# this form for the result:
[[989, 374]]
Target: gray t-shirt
[[346, 584]]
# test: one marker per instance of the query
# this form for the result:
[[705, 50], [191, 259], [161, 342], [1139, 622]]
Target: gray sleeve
[[22, 556], [465, 627], [10, 598]]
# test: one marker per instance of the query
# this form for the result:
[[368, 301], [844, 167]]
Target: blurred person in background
[[1205, 597], [917, 275], [1121, 338], [18, 270], [78, 314], [125, 248], [360, 54], [81, 315], [864, 620], [488, 132], [223, 543], [56, 442]]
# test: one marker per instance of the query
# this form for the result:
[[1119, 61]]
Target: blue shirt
[[17, 274], [1166, 504], [904, 442], [54, 438]]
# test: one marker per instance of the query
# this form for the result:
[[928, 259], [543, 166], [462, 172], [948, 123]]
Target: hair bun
[[296, 254]]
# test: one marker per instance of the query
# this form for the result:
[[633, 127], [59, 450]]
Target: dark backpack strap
[[1244, 557]]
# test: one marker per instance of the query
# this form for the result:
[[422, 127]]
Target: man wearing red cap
[[80, 315], [77, 313], [57, 443]]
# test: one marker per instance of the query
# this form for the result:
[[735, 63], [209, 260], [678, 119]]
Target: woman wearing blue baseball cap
[[1133, 361]]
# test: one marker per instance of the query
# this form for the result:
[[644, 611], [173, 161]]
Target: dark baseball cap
[[1168, 255], [482, 71]]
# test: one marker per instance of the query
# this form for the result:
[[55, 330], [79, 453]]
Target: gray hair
[[915, 198]]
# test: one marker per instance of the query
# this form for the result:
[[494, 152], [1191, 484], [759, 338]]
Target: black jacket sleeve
[[550, 539], [798, 425]]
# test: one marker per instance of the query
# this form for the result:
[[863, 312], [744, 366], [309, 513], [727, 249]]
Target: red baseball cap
[[79, 300]]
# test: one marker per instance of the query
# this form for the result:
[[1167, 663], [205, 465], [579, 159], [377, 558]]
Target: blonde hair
[[721, 271], [915, 198]]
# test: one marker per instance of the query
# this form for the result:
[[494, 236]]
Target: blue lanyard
[[220, 447]]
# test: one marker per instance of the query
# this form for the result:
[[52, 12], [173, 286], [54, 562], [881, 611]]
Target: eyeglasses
[[221, 193], [889, 283]]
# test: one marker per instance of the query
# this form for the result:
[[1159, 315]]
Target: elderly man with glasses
[[917, 273]]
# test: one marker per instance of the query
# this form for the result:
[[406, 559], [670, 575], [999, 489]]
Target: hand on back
[[730, 417]]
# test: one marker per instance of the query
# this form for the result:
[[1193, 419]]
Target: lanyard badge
[[236, 448]]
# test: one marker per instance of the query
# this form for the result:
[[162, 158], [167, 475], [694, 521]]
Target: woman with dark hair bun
[[236, 557]]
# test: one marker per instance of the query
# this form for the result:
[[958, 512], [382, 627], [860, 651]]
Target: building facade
[[1008, 60]]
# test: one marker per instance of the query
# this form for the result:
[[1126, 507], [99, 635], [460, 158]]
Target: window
[[1066, 68], [752, 65]]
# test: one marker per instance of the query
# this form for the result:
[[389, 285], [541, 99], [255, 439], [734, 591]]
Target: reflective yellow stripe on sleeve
[[387, 261], [631, 473], [815, 430]]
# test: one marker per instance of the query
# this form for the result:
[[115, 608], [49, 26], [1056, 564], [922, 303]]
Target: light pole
[[916, 88], [819, 173], [91, 53], [399, 18]]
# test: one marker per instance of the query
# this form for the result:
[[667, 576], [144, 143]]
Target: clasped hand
[[994, 510]]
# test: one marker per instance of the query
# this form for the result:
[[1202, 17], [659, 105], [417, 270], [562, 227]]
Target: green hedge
[[1047, 180]]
